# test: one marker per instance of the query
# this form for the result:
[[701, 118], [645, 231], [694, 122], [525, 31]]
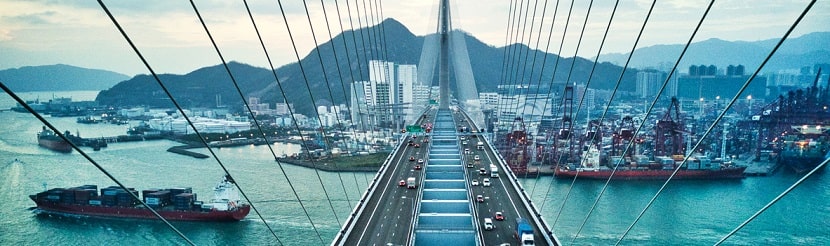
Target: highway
[[396, 215]]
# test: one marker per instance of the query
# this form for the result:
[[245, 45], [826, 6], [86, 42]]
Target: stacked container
[[183, 201], [115, 196], [157, 199]]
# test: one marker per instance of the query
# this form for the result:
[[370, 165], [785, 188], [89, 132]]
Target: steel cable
[[328, 85], [313, 102], [290, 110], [720, 116]]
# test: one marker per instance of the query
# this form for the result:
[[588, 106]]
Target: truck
[[410, 183], [494, 171], [480, 145], [524, 232]]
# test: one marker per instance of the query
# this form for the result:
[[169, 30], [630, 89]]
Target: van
[[488, 224]]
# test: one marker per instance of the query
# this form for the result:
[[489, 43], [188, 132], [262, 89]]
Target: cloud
[[39, 18]]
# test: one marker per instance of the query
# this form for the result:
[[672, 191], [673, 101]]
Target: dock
[[759, 168]]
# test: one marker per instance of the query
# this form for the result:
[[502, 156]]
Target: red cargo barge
[[736, 172], [48, 139], [114, 202]]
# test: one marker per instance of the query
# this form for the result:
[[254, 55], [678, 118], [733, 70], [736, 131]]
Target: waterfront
[[688, 213]]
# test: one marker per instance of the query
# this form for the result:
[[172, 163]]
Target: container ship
[[641, 168], [48, 139], [171, 203], [805, 147]]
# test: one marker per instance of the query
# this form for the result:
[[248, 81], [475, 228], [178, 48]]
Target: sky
[[169, 35]]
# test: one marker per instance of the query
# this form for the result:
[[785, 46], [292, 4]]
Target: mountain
[[795, 52], [59, 77], [202, 88]]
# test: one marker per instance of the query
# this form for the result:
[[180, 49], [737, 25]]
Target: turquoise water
[[687, 213]]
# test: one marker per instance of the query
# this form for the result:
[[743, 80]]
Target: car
[[469, 164], [414, 136], [482, 171], [485, 182], [410, 143], [462, 138], [467, 151], [402, 183], [426, 140], [475, 182], [417, 167], [417, 146], [477, 158], [499, 216], [480, 198], [420, 161], [411, 158], [488, 224]]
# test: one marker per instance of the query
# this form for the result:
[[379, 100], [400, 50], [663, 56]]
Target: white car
[[485, 182], [477, 158], [475, 182]]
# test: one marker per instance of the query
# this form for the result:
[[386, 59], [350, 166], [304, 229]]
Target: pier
[[760, 168]]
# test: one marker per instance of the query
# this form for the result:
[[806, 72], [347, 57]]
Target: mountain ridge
[[59, 77], [794, 53]]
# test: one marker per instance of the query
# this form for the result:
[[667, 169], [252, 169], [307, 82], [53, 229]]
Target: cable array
[[512, 79]]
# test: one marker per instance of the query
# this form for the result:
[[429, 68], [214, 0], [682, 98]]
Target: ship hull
[[640, 174], [800, 164], [56, 145], [141, 213]]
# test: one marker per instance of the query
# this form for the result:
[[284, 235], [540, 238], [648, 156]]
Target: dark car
[[411, 158], [417, 167]]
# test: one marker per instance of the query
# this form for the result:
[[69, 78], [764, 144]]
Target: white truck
[[494, 171], [410, 183], [480, 145]]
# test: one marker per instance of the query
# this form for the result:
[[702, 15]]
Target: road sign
[[414, 128]]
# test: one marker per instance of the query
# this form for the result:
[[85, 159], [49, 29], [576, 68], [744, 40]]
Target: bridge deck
[[442, 209]]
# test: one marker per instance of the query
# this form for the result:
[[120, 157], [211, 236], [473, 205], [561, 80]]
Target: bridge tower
[[443, 57]]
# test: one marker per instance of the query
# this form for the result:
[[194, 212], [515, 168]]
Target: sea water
[[686, 213]]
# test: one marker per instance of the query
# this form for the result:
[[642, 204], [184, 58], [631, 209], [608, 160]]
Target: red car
[[499, 216], [411, 158], [417, 167], [402, 183], [480, 198], [417, 145]]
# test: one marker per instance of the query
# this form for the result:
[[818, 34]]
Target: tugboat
[[170, 203]]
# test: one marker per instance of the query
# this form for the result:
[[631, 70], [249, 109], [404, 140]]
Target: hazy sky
[[169, 34]]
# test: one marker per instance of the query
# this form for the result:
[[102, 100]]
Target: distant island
[[59, 77]]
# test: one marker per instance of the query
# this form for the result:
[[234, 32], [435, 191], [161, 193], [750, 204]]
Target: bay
[[687, 213]]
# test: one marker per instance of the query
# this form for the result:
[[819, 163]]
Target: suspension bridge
[[431, 189]]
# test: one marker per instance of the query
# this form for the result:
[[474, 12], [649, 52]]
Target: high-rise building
[[648, 83], [390, 96]]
